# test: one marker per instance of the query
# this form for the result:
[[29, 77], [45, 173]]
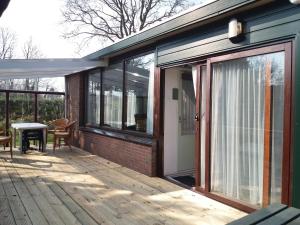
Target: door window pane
[[112, 94], [93, 98], [139, 81], [238, 123], [202, 125]]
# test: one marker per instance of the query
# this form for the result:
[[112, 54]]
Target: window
[[139, 81], [109, 104], [246, 122], [93, 98], [113, 95]]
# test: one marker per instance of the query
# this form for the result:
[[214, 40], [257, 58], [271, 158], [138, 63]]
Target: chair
[[28, 135], [58, 124], [66, 135], [4, 140]]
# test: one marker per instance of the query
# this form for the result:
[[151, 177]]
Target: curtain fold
[[238, 123]]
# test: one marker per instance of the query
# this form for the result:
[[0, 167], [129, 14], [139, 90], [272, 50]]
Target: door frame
[[287, 47]]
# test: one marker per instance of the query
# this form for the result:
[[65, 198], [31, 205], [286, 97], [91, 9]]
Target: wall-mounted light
[[296, 2], [235, 29]]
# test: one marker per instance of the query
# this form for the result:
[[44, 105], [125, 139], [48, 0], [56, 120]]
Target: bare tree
[[7, 43], [115, 19], [31, 51]]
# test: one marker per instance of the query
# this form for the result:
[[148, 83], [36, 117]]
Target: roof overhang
[[214, 10], [33, 68]]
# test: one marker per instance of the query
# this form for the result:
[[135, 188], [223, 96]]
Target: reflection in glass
[[202, 125], [93, 98], [2, 109], [21, 107], [112, 93], [50, 107], [54, 84], [238, 123], [139, 83]]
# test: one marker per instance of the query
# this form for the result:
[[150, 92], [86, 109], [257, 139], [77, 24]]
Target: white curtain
[[113, 108], [131, 108], [237, 130], [150, 101]]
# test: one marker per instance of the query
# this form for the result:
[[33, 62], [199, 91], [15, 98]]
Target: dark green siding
[[265, 25], [184, 21], [279, 22], [296, 125]]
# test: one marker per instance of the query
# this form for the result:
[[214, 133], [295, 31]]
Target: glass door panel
[[244, 123]]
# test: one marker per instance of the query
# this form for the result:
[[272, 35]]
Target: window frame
[[102, 126], [286, 151]]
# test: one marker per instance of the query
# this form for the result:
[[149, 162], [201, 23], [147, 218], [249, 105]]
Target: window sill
[[119, 134]]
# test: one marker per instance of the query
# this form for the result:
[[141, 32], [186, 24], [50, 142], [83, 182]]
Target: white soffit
[[33, 68]]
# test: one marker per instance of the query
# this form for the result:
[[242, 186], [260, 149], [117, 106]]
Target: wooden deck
[[75, 187]]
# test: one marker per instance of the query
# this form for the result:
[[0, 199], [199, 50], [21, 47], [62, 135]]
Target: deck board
[[75, 187]]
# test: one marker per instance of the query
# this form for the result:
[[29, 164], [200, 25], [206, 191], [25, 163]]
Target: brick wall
[[138, 157], [134, 156]]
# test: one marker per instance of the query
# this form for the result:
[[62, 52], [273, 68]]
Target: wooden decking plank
[[79, 212], [29, 203], [296, 221], [94, 189], [46, 208], [160, 209], [122, 206], [6, 216], [283, 217], [20, 215]]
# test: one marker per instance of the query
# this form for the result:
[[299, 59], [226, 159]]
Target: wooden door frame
[[159, 121], [287, 48]]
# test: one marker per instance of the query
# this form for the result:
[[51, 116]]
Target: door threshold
[[177, 182]]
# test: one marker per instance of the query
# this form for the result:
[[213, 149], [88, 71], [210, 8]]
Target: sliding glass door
[[247, 110]]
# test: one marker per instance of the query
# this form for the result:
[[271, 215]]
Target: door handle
[[196, 117]]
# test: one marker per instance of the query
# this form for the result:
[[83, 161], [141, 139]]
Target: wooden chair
[[59, 124], [65, 135], [4, 140]]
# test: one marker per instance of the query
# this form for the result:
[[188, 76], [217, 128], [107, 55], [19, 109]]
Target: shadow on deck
[[75, 187]]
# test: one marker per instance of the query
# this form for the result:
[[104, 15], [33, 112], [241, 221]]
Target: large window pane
[[93, 98], [2, 109], [50, 107], [238, 127], [202, 125], [112, 94], [139, 93], [21, 107], [56, 84]]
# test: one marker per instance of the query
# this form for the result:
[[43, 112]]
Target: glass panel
[[188, 105], [50, 107], [277, 83], [112, 91], [139, 93], [2, 110], [37, 84], [237, 127], [93, 98], [21, 107], [202, 125]]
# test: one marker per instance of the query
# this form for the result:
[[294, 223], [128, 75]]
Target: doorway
[[179, 125]]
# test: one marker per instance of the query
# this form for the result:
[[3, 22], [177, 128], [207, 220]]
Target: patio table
[[29, 126]]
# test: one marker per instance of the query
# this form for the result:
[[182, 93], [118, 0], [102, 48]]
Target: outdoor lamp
[[296, 2], [235, 30]]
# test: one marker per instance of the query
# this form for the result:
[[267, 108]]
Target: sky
[[40, 19]]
